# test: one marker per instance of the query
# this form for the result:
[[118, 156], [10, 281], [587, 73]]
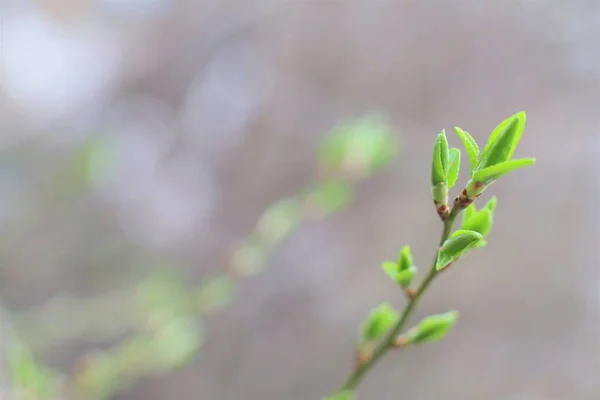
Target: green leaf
[[403, 271], [471, 147], [443, 260], [454, 167], [502, 141], [344, 395], [405, 260], [440, 164], [494, 172], [469, 212], [455, 246], [479, 245], [432, 328], [491, 204], [391, 269], [481, 222], [405, 277], [378, 322], [332, 195]]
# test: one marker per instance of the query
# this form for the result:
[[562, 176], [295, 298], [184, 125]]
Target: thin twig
[[389, 342]]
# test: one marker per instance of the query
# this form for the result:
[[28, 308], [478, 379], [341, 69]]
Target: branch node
[[401, 341], [364, 354]]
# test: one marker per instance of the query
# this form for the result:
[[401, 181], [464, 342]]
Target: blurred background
[[176, 221]]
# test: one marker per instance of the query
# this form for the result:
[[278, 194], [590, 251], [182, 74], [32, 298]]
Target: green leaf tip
[[378, 322], [432, 328], [470, 146], [343, 395], [495, 159], [481, 222], [494, 172], [405, 260], [390, 268], [491, 204], [403, 271], [453, 167], [503, 141], [458, 243], [440, 164], [468, 212]]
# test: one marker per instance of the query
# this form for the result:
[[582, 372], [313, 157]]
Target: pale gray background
[[217, 107]]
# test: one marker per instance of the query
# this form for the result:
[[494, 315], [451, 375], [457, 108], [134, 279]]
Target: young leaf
[[455, 246], [480, 222], [405, 277], [439, 168], [479, 245], [453, 167], [471, 147], [378, 322], [432, 328], [391, 269], [494, 172], [405, 259], [468, 213], [502, 141], [443, 260], [491, 204]]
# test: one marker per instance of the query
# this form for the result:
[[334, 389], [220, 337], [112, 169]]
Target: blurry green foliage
[[95, 160], [249, 258], [163, 296], [364, 145], [170, 307], [30, 379], [176, 342], [279, 220], [216, 293], [331, 196]]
